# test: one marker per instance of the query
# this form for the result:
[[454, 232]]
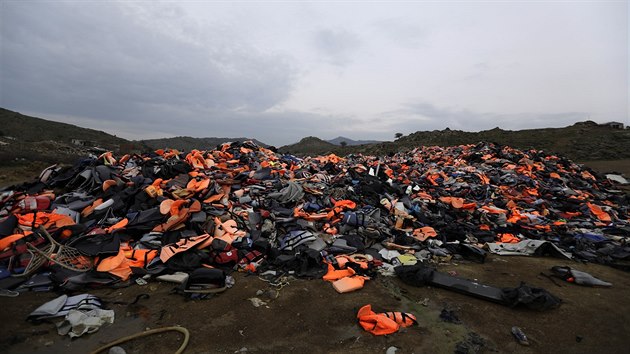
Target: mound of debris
[[192, 218]]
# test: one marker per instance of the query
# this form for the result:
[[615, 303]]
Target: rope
[[279, 283], [180, 350]]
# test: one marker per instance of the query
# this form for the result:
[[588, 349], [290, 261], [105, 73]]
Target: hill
[[311, 146], [187, 143], [13, 124], [583, 141], [26, 140], [338, 140]]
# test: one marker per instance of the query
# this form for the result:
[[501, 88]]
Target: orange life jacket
[[384, 323]]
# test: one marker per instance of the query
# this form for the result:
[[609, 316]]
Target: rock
[[391, 350], [116, 350]]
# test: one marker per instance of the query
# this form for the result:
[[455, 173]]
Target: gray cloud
[[336, 45], [143, 69], [109, 61]]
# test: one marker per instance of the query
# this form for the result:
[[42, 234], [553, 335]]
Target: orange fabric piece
[[493, 210], [108, 158], [336, 274], [348, 284], [197, 186], [124, 159], [569, 215], [139, 258], [515, 217], [7, 241], [343, 261], [599, 212], [423, 233], [117, 226], [299, 213], [195, 207], [432, 178], [90, 208], [383, 323], [587, 175], [47, 220], [116, 265], [469, 206], [174, 221], [530, 191], [424, 195], [176, 207], [349, 204], [165, 206], [108, 184], [214, 198], [508, 238], [484, 178], [227, 230], [182, 245], [458, 203]]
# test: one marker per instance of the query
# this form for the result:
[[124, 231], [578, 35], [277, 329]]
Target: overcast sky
[[279, 71]]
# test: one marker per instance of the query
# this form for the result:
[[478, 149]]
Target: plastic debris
[[520, 336]]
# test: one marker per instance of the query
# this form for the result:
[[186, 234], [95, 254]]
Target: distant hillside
[[581, 141], [25, 140], [187, 143], [311, 146], [584, 141], [30, 129], [338, 140]]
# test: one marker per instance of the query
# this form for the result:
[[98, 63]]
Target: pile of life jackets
[[243, 207]]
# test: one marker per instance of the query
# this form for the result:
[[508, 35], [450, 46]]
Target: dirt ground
[[604, 166], [310, 316], [20, 172]]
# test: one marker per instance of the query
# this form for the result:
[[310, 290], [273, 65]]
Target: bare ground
[[606, 166], [20, 172], [309, 316]]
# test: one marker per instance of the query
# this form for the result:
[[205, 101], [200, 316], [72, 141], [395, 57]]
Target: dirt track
[[309, 316]]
